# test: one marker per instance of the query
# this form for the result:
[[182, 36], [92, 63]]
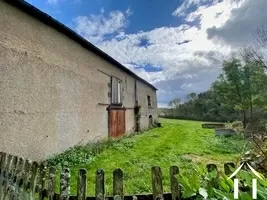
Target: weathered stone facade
[[54, 92]]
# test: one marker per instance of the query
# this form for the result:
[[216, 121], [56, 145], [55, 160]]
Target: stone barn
[[58, 90]]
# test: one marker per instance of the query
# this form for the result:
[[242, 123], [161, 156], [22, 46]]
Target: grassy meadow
[[178, 142]]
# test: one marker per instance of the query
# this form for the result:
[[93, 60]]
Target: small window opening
[[116, 91], [148, 101], [150, 118]]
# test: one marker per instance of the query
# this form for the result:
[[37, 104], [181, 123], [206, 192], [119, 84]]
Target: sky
[[177, 45]]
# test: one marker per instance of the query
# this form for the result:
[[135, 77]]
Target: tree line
[[239, 92]]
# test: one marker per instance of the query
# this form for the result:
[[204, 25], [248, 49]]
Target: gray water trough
[[225, 132]]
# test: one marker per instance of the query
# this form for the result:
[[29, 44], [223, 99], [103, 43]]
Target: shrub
[[237, 125], [256, 133]]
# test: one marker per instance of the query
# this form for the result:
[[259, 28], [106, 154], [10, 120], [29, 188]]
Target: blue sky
[[177, 45], [143, 19]]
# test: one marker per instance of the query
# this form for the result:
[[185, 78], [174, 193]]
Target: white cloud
[[182, 10], [95, 27], [243, 19], [190, 61]]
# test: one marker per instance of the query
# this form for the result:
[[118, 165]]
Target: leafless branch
[[250, 53], [260, 35], [259, 146]]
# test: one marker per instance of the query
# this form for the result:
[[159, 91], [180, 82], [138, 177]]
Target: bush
[[237, 125], [257, 126], [256, 133]]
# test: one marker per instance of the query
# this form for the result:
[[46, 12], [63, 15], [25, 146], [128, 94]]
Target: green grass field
[[178, 142]]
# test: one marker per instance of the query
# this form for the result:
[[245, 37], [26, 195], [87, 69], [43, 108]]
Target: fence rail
[[23, 179]]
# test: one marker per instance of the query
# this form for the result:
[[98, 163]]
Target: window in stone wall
[[148, 101], [116, 91]]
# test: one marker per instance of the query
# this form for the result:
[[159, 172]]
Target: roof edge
[[52, 22]]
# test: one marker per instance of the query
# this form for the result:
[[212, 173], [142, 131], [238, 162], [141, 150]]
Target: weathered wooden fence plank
[[26, 175], [19, 171], [64, 184], [100, 185], [13, 167], [11, 177], [175, 188], [33, 179], [41, 181], [118, 184], [82, 185], [2, 172], [227, 168], [18, 180], [1, 154], [6, 177], [25, 183], [211, 167], [51, 183], [157, 183]]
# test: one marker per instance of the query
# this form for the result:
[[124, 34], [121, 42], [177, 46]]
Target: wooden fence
[[23, 179]]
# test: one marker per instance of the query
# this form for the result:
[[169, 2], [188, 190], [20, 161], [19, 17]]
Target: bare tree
[[260, 35], [255, 51]]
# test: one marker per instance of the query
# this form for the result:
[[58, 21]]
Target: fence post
[[175, 187], [157, 183], [2, 172], [26, 177], [18, 179], [100, 184], [1, 154], [227, 167], [81, 185], [51, 183], [7, 175], [13, 168], [211, 167], [41, 184], [11, 176], [64, 184], [33, 179], [19, 171], [118, 184]]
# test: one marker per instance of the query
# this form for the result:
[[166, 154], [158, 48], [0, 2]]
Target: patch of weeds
[[155, 136], [141, 187], [133, 161], [185, 159], [226, 145], [80, 155], [74, 156], [207, 152], [123, 145]]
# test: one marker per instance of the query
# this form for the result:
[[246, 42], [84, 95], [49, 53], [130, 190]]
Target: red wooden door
[[116, 122]]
